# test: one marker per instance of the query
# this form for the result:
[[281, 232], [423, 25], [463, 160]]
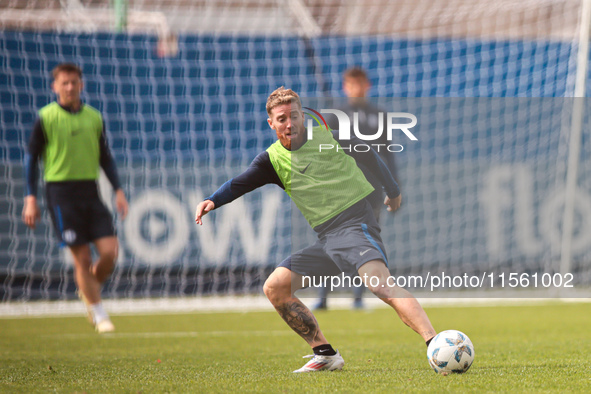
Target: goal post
[[120, 7], [577, 120]]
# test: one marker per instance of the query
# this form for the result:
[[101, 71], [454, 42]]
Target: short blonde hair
[[282, 96]]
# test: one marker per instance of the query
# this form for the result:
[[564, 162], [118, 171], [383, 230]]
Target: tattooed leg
[[279, 289], [301, 320]]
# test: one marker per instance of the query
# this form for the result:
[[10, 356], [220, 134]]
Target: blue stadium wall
[[179, 127]]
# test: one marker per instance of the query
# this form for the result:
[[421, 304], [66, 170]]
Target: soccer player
[[356, 86], [70, 137], [329, 189]]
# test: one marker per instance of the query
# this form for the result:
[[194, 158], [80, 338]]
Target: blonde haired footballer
[[330, 191]]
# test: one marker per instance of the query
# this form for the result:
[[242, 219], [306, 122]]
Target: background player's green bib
[[72, 152]]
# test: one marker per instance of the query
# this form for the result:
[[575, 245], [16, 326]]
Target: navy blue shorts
[[78, 213]]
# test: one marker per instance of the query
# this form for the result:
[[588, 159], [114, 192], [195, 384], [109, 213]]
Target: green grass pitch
[[518, 349]]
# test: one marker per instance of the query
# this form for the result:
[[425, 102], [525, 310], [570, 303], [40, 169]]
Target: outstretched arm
[[259, 173], [202, 209]]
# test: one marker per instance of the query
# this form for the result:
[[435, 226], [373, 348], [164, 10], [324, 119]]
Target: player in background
[[356, 86], [70, 138], [329, 189]]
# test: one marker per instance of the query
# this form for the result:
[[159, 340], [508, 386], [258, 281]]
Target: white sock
[[98, 312]]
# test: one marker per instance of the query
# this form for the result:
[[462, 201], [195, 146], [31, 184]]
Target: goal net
[[182, 86]]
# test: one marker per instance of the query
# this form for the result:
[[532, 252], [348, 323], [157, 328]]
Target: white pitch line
[[242, 304], [173, 334], [194, 334]]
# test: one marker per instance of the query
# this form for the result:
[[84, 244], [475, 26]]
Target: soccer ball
[[450, 351]]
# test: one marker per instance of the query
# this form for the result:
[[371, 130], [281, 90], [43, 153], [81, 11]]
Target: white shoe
[[322, 363], [105, 326]]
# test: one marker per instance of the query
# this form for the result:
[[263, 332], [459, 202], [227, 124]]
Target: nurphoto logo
[[396, 122]]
